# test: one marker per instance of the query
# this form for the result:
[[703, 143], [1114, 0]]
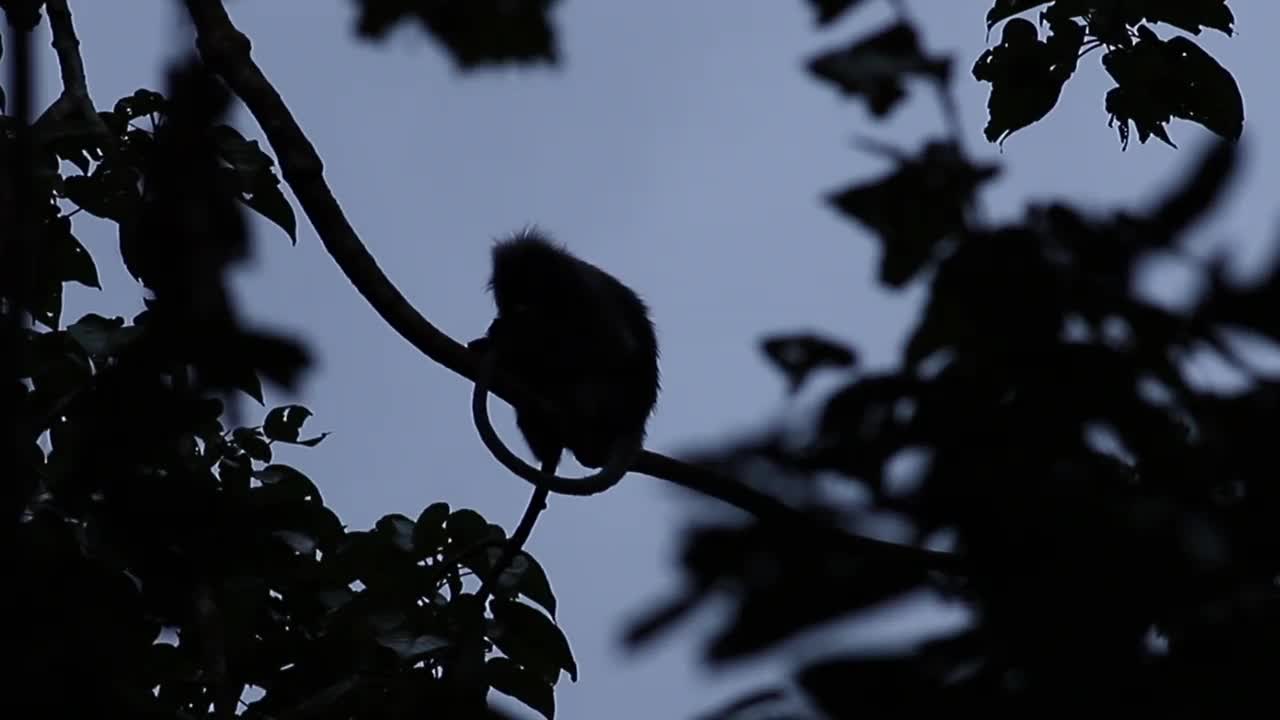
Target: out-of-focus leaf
[[877, 67], [829, 10], [475, 32], [798, 356], [940, 178], [745, 707]]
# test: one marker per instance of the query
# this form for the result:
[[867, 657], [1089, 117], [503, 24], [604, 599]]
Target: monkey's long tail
[[537, 503]]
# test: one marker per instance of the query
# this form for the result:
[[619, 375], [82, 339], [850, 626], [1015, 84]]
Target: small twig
[[228, 52]]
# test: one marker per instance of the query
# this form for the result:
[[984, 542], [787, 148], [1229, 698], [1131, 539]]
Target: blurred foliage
[[1109, 521], [476, 33]]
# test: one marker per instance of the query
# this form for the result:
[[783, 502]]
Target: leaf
[[1112, 21], [1026, 74], [99, 336], [396, 529], [313, 441], [1005, 9], [252, 443], [109, 192], [270, 203], [247, 381], [1159, 80], [410, 647], [828, 10], [530, 638], [46, 303], [466, 527], [312, 519], [283, 423], [890, 206], [75, 139], [141, 102], [235, 473], [71, 260], [475, 32], [509, 678], [842, 688], [257, 184], [505, 586], [876, 67], [797, 356], [289, 482], [533, 584], [298, 542], [428, 531], [1192, 15]]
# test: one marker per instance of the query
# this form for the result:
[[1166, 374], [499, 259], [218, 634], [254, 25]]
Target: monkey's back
[[580, 337]]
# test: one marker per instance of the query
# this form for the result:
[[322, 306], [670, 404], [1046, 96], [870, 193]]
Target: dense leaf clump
[[1104, 520], [164, 561]]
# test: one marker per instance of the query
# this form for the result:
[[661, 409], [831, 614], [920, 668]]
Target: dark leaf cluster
[[160, 559], [1157, 80], [1043, 448], [1114, 519], [877, 68], [167, 564], [476, 33]]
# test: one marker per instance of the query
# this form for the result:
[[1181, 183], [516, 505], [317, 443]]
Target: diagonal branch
[[228, 52], [73, 102]]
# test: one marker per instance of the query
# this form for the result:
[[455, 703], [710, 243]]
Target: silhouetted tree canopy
[[1109, 523]]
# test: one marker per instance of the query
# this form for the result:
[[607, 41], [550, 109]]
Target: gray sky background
[[683, 147]]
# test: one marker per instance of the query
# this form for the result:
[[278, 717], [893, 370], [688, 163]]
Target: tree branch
[[228, 52], [74, 101]]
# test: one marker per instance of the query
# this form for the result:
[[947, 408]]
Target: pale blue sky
[[682, 146]]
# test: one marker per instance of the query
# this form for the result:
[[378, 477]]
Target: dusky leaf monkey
[[583, 341]]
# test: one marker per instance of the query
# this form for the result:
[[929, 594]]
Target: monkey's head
[[580, 339]]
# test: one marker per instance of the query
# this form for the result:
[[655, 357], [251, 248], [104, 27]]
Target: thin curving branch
[[228, 52]]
